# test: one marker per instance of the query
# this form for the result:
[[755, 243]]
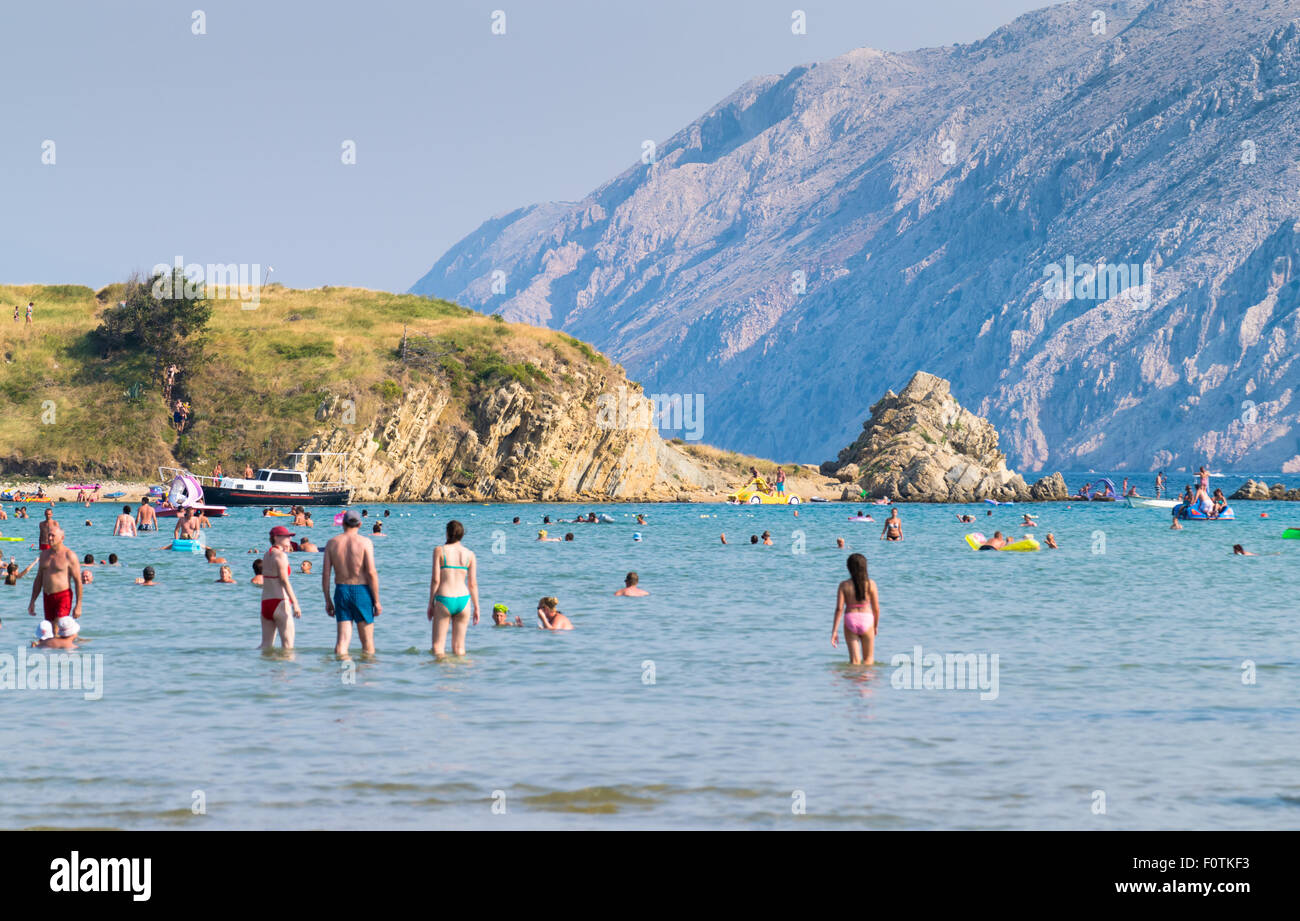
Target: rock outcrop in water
[[1258, 490], [921, 445]]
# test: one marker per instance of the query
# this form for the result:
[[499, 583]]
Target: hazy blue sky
[[226, 147]]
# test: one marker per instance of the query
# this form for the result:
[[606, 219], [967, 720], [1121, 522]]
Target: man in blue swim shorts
[[351, 558]]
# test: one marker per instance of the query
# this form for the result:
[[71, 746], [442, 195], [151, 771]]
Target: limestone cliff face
[[512, 443], [882, 210], [922, 445]]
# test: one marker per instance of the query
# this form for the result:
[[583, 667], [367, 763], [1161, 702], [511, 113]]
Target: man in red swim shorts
[[44, 527], [58, 577]]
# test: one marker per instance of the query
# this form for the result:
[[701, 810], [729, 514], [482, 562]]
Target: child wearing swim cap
[[501, 617]]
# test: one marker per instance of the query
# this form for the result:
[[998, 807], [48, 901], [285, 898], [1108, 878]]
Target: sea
[[1137, 677]]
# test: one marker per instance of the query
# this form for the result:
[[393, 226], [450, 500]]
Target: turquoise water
[[1119, 671]]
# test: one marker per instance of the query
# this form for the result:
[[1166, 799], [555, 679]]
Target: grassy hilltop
[[69, 410]]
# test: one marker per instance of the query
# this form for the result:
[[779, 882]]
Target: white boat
[[1136, 502]]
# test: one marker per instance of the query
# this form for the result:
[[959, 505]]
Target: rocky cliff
[[512, 444], [878, 212], [922, 445]]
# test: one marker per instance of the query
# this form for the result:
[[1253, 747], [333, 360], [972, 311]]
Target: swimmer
[[753, 538], [87, 576], [1239, 550], [378, 530], [57, 577], [966, 519], [549, 615], [541, 536], [640, 519], [62, 636], [996, 542], [767, 539], [858, 604], [452, 587], [515, 520], [1028, 521], [225, 576], [146, 519], [724, 539], [112, 560], [147, 578], [568, 536], [257, 573], [893, 527], [278, 598], [306, 546], [501, 618], [305, 567], [839, 543], [187, 528], [351, 558], [12, 575], [125, 524], [630, 588], [1050, 541], [211, 556], [43, 529]]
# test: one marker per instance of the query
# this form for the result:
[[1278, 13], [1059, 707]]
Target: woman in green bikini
[[454, 586]]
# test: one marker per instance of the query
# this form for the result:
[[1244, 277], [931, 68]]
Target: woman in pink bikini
[[859, 605]]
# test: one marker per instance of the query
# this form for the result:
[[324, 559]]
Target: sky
[[228, 146]]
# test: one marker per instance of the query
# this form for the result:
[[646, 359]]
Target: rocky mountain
[[1087, 221], [922, 445], [514, 444]]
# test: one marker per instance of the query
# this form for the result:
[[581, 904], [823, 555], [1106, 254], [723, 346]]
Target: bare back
[[349, 555]]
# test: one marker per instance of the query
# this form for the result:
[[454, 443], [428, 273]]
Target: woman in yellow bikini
[[453, 587]]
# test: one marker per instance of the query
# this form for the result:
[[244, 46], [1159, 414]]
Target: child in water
[[550, 616], [858, 604], [501, 617]]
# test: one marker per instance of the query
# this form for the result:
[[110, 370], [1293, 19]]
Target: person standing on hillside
[[30, 308], [351, 558], [57, 578]]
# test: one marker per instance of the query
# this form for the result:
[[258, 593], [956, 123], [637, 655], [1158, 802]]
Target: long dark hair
[[858, 573], [455, 531]]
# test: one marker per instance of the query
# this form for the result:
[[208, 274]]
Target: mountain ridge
[[922, 195]]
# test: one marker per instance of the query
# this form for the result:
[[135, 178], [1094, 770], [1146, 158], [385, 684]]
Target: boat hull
[[1135, 502], [222, 495]]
